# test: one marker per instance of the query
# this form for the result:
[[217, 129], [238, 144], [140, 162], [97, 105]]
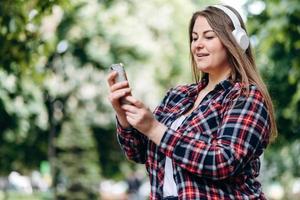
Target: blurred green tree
[[275, 30], [32, 111], [277, 37], [23, 114], [77, 161]]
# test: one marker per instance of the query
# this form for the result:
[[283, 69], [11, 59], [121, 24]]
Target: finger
[[119, 85], [130, 108], [131, 115], [111, 78], [134, 101], [131, 119], [119, 94]]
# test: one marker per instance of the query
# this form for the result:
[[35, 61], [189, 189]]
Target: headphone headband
[[231, 15], [238, 33]]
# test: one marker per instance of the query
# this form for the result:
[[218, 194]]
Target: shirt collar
[[194, 89], [225, 84]]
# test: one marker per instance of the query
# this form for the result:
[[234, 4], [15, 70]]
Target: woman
[[204, 140]]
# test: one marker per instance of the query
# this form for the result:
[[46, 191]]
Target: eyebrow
[[204, 31]]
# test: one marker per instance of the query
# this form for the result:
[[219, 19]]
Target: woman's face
[[207, 50]]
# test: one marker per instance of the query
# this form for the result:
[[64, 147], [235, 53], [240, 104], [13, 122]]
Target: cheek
[[222, 54], [218, 50], [192, 47]]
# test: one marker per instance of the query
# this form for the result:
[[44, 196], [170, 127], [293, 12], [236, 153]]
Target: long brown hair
[[242, 63]]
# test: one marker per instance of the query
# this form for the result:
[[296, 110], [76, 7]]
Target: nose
[[199, 44]]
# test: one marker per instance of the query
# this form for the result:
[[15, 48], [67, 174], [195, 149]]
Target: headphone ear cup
[[241, 38]]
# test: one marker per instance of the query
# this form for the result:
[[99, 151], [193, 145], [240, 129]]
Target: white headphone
[[238, 33]]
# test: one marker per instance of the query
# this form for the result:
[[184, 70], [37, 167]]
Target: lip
[[202, 54]]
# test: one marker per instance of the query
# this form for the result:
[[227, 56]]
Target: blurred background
[[57, 128]]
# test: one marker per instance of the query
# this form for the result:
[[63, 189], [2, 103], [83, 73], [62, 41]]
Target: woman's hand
[[141, 118], [118, 91]]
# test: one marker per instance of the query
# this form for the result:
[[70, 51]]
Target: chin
[[202, 68]]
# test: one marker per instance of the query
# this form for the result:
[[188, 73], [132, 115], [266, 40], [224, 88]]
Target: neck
[[214, 79]]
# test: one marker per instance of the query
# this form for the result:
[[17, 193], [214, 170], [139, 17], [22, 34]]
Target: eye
[[194, 39], [209, 37]]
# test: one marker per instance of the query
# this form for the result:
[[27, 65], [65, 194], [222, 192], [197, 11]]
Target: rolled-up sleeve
[[133, 143]]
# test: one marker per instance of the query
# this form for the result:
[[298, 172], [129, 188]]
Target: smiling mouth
[[200, 55]]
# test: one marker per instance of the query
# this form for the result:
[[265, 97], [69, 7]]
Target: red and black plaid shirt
[[215, 152]]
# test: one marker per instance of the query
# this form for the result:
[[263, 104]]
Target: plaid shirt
[[215, 152]]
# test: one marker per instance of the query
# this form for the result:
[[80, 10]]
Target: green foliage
[[278, 33], [111, 158], [77, 162], [30, 108], [23, 115], [19, 36]]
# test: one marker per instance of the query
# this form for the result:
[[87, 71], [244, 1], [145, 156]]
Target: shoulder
[[245, 93], [241, 89]]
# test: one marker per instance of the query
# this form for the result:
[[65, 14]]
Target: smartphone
[[119, 68]]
